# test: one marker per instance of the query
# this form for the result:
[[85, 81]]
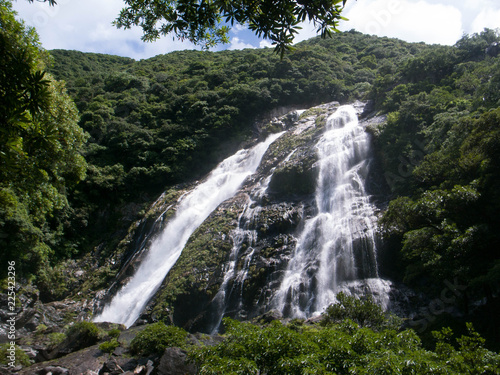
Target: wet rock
[[295, 178]]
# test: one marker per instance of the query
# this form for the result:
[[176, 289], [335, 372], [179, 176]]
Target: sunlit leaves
[[205, 22], [278, 349]]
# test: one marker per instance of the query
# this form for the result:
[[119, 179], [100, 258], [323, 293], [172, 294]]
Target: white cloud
[[489, 18], [265, 44], [237, 43], [308, 31], [85, 25], [413, 21], [236, 28]]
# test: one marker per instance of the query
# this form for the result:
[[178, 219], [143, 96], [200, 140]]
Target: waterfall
[[221, 184], [336, 249], [234, 278], [244, 237]]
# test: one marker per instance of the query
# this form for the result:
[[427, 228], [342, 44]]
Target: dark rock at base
[[174, 362], [81, 362], [269, 317], [111, 368]]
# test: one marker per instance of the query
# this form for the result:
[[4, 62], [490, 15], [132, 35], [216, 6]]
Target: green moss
[[312, 112]]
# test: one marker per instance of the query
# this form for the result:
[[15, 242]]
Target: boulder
[[175, 362], [493, 49]]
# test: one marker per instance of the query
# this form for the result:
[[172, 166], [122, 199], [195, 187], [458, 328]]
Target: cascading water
[[243, 236], [222, 183], [234, 278], [336, 249]]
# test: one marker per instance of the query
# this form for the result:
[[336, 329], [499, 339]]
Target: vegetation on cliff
[[439, 149]]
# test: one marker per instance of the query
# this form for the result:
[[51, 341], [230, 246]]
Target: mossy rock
[[294, 179]]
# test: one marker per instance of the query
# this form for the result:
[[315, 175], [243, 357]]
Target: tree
[[40, 143], [206, 22]]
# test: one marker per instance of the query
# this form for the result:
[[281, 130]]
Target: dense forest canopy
[[77, 172]]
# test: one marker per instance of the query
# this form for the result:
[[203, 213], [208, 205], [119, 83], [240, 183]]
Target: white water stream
[[222, 183], [336, 249]]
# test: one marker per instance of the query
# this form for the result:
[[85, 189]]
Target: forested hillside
[[166, 120], [169, 119], [440, 148]]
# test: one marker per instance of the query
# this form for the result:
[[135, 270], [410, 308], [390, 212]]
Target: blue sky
[[85, 25]]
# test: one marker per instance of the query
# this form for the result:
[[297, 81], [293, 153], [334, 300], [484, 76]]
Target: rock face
[[236, 259]]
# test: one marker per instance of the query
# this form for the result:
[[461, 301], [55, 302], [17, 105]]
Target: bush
[[346, 348], [9, 354], [87, 333], [55, 339], [156, 338], [40, 329], [109, 346], [114, 333], [363, 311]]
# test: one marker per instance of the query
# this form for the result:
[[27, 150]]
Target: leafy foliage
[[86, 333], [440, 153], [206, 22], [40, 144], [16, 356], [343, 348], [155, 338], [109, 346], [362, 311]]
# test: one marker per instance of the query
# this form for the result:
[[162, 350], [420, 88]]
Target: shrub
[[109, 346], [346, 348], [156, 338], [86, 332], [363, 311], [55, 339], [41, 328], [9, 354], [114, 333]]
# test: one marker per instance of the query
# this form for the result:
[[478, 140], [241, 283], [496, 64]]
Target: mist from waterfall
[[221, 184], [336, 250]]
